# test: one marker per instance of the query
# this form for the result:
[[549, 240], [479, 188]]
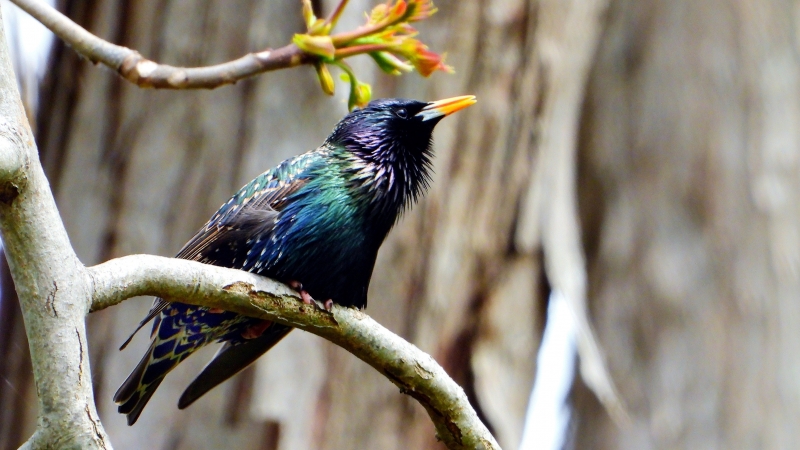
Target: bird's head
[[390, 143], [390, 128]]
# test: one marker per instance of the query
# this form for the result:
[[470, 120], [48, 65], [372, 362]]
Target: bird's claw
[[304, 295]]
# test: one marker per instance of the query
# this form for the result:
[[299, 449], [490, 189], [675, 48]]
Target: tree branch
[[391, 37], [143, 72], [51, 282], [412, 370]]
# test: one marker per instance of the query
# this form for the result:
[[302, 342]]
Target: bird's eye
[[402, 113]]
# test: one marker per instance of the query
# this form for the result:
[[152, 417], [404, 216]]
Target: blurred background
[[639, 159]]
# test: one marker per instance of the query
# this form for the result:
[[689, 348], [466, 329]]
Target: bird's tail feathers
[[230, 360], [162, 356], [133, 395]]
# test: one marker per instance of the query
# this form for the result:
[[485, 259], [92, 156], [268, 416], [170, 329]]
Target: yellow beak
[[446, 107]]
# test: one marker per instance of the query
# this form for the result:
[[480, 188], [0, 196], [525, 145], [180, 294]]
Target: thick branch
[[51, 283], [146, 73], [412, 370]]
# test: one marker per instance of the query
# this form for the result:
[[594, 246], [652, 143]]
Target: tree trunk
[[689, 191], [138, 171]]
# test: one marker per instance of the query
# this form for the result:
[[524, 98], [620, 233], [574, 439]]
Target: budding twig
[[137, 69]]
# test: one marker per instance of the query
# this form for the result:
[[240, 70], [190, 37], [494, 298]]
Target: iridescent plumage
[[318, 219]]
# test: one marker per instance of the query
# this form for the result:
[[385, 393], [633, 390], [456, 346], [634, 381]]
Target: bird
[[314, 222]]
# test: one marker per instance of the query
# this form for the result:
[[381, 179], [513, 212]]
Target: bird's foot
[[254, 331], [304, 295], [328, 304]]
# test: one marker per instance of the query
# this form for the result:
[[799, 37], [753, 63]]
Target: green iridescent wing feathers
[[256, 202]]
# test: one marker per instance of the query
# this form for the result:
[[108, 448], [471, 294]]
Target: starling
[[314, 222]]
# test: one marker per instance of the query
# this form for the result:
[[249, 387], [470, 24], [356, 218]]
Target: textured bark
[[690, 161], [50, 281]]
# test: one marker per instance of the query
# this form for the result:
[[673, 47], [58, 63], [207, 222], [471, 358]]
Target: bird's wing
[[248, 213]]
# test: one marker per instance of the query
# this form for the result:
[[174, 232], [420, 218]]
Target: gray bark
[[690, 161], [51, 283]]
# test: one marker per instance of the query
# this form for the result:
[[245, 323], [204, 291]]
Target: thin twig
[[342, 53], [143, 72], [334, 17], [412, 370]]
